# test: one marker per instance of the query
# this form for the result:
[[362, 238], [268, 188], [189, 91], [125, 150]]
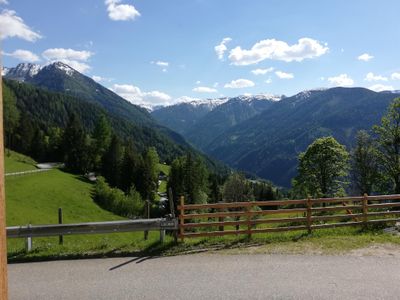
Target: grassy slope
[[15, 162], [35, 199]]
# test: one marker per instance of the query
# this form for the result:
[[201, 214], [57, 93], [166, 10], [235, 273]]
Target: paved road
[[210, 276]]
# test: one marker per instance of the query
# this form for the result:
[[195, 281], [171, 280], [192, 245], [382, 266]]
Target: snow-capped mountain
[[22, 72]]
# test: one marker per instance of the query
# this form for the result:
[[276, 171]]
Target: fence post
[[60, 221], [172, 209], [221, 219], [365, 210], [248, 210], [181, 219], [309, 214], [28, 242]]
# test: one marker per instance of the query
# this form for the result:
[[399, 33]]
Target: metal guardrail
[[161, 224], [27, 172]]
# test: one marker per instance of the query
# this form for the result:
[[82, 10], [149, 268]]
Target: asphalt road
[[210, 276]]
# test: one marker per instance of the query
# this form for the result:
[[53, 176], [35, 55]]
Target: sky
[[157, 52]]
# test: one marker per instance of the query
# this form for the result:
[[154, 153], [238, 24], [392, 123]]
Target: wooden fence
[[205, 220]]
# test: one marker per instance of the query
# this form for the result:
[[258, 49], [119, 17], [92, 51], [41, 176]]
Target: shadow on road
[[138, 260]]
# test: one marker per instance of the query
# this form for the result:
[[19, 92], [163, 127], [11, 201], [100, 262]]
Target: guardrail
[[306, 214], [30, 231], [27, 172]]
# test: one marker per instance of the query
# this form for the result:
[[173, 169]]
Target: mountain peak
[[22, 71], [63, 67]]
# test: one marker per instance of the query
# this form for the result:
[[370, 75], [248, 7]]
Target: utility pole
[[3, 233]]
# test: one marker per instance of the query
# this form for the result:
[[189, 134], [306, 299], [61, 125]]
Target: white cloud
[[380, 87], [77, 65], [277, 50], [121, 12], [283, 75], [134, 95], [24, 55], [341, 80], [221, 48], [216, 84], [74, 58], [13, 26], [101, 79], [3, 2], [262, 71], [395, 76], [372, 77], [365, 57], [160, 63], [198, 82], [61, 53], [239, 84], [268, 81], [204, 89]]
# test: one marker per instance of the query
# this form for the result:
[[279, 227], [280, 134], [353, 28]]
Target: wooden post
[[248, 209], [221, 219], [3, 235], [365, 210], [147, 213], [309, 214], [60, 221], [28, 242], [172, 209], [181, 219]]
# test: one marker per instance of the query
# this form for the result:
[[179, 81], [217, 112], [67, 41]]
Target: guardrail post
[[147, 213], [365, 210], [309, 212], [60, 221], [28, 242], [162, 236], [181, 219]]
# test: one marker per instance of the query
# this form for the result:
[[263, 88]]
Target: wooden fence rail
[[217, 219]]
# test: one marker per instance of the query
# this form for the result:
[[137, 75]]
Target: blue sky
[[156, 52]]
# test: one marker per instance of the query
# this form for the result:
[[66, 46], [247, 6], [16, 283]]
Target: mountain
[[195, 119], [231, 113], [269, 143], [181, 116], [59, 77]]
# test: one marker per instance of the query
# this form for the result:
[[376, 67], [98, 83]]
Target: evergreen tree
[[11, 115], [149, 174], [101, 140], [112, 159], [132, 165], [76, 147]]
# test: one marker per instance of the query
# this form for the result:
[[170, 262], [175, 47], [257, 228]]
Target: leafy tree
[[365, 164], [323, 168], [389, 143], [237, 189]]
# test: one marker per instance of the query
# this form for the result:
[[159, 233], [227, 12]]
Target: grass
[[35, 199], [15, 162]]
